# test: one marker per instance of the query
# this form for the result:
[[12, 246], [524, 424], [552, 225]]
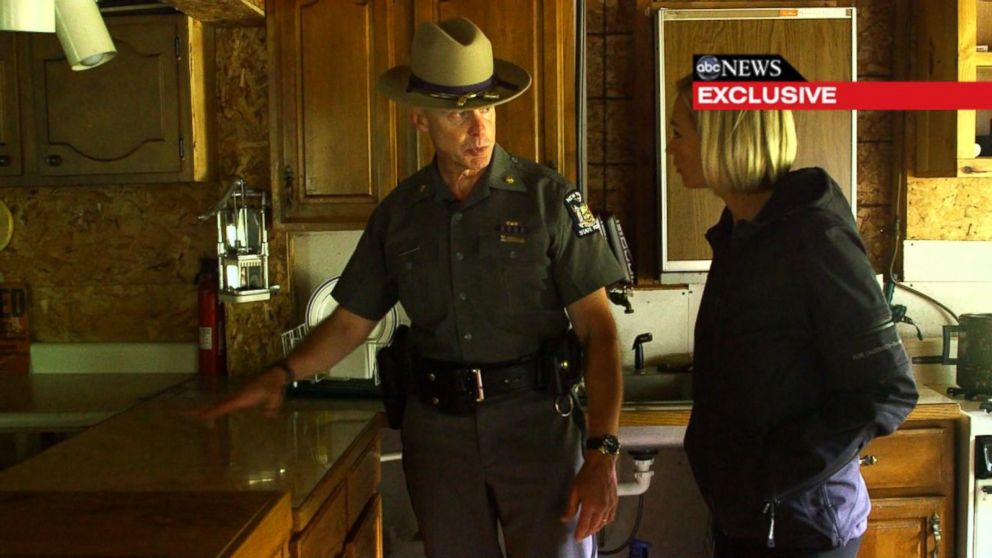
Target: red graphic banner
[[861, 95]]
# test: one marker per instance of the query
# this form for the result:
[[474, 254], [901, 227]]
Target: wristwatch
[[607, 445]]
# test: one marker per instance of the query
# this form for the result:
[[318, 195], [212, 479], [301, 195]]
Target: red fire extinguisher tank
[[212, 353]]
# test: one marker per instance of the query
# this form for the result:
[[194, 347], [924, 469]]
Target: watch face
[[607, 444], [611, 445]]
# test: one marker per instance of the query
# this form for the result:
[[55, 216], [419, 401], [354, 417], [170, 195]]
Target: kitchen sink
[[657, 387]]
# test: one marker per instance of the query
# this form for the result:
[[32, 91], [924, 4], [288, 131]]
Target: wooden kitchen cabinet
[[339, 147], [10, 118], [349, 521], [946, 34], [905, 527], [144, 116], [910, 477], [367, 539]]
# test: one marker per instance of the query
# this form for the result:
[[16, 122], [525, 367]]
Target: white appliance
[[975, 480]]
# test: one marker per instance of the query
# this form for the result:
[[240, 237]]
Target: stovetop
[[971, 400]]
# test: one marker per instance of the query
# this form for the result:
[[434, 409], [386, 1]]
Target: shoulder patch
[[584, 222]]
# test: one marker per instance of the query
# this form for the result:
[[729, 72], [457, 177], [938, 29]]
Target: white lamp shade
[[37, 16], [83, 34]]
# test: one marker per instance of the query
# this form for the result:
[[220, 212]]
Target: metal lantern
[[242, 244]]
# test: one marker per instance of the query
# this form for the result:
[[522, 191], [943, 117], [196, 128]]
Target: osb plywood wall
[[112, 263], [117, 263], [243, 134], [622, 165]]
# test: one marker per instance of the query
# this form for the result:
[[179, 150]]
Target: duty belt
[[457, 388]]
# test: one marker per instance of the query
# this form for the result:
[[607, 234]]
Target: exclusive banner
[[861, 95]]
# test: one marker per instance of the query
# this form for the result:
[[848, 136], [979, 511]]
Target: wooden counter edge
[[268, 532], [680, 416], [335, 476]]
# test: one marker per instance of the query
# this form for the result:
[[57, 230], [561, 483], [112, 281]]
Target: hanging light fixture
[[37, 16], [84, 37]]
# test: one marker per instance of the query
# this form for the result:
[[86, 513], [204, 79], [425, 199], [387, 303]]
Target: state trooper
[[491, 256]]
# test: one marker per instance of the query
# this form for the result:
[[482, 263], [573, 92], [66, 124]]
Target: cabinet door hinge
[[182, 148], [287, 176]]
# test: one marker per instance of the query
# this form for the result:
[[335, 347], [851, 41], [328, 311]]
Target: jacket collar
[[798, 190]]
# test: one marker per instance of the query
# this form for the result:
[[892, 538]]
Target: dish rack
[[293, 337]]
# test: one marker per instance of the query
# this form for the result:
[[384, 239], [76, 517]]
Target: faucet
[[639, 351]]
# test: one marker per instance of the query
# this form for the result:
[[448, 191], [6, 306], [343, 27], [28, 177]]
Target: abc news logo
[[747, 67]]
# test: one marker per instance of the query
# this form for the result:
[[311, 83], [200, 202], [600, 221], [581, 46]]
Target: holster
[[395, 363], [562, 361]]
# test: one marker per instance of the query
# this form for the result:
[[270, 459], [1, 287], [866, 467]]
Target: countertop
[[145, 524], [154, 446], [931, 406], [61, 402]]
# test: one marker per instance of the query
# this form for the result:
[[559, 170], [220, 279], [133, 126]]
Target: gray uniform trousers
[[513, 461]]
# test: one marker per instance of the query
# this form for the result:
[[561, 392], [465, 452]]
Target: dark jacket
[[797, 366]]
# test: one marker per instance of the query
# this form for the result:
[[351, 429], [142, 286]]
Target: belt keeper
[[481, 395]]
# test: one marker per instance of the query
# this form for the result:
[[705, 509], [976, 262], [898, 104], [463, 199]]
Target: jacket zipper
[[770, 506], [770, 512]]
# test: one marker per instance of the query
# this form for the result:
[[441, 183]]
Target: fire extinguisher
[[212, 353]]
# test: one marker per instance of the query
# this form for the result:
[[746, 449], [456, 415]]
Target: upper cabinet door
[[130, 116], [10, 118], [335, 141], [947, 34], [538, 35]]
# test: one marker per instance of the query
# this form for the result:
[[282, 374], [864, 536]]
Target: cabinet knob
[[54, 160], [4, 161], [867, 460]]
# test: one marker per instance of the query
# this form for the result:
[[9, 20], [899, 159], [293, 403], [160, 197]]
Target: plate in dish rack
[[322, 304]]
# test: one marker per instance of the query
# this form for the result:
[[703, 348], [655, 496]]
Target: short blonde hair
[[742, 151]]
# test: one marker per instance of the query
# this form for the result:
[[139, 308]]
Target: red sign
[[15, 335]]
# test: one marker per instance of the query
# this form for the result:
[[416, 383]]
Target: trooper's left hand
[[595, 489]]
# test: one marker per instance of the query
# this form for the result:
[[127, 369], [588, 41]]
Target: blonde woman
[[797, 361]]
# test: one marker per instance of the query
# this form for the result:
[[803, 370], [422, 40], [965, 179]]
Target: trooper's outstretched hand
[[267, 389], [595, 490]]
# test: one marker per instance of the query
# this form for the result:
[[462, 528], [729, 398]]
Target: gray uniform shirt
[[486, 279]]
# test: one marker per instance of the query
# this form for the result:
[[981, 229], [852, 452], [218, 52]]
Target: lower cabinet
[[907, 527], [349, 522], [910, 476], [366, 541]]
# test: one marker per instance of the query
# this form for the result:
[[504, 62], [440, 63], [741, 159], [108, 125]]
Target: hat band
[[460, 93]]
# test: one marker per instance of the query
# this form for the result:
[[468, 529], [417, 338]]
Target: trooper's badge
[[584, 222]]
